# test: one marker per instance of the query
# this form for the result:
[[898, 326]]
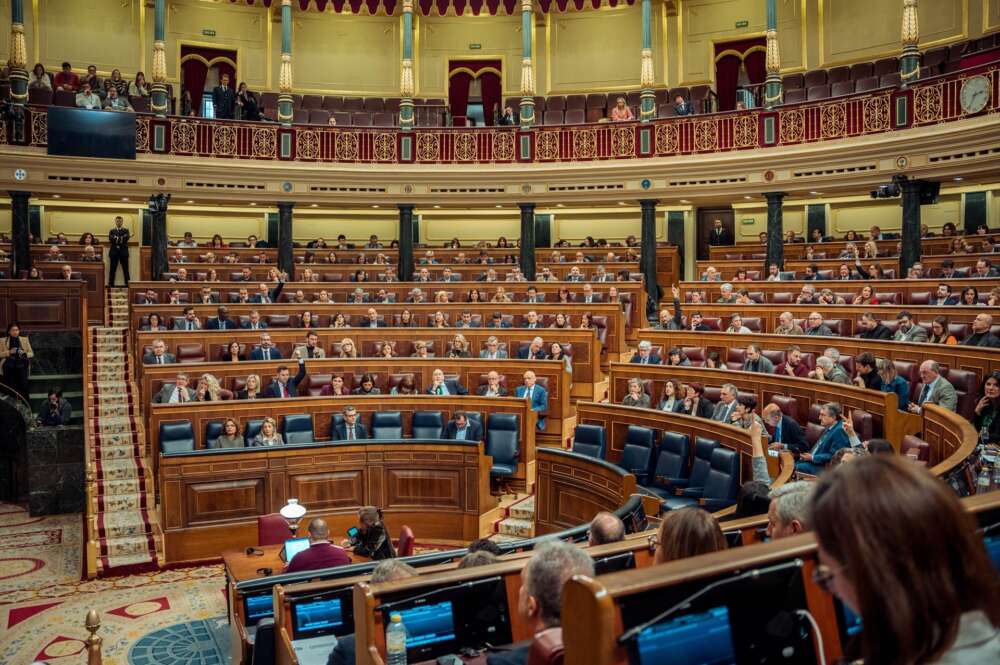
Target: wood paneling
[[797, 250], [727, 269], [92, 274], [211, 501], [573, 488], [43, 305]]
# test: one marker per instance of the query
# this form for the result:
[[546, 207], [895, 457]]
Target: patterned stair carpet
[[120, 521], [520, 519]]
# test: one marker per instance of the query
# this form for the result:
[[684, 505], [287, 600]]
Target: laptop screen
[[293, 546], [258, 607], [705, 638], [428, 625]]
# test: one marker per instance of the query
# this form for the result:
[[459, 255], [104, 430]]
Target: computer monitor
[[257, 607], [429, 628], [292, 547], [614, 563], [329, 613], [848, 622], [705, 638]]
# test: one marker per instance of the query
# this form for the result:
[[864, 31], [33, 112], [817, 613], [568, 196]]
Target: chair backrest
[[427, 424], [406, 541], [264, 640], [914, 446], [387, 425], [272, 529], [724, 475], [213, 430], [298, 428], [788, 405], [253, 428], [637, 453], [502, 438], [552, 118], [190, 352], [176, 437], [673, 458], [590, 440], [703, 449], [547, 648]]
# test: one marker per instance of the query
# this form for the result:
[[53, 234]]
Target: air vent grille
[[349, 190], [835, 171], [81, 178], [586, 188], [234, 186]]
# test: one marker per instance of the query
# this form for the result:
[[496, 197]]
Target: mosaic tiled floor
[[200, 642]]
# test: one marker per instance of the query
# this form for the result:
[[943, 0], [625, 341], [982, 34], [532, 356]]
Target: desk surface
[[241, 566]]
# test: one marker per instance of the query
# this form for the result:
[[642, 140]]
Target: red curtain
[[727, 67], [193, 75], [490, 84], [458, 93], [194, 70]]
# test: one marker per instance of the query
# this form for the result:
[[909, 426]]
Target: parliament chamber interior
[[516, 332]]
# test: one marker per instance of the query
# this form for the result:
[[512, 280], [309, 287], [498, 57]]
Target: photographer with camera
[[15, 360], [56, 411]]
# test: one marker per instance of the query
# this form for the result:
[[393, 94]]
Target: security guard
[[118, 237]]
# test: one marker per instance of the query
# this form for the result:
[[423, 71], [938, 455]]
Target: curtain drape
[[728, 58], [490, 83], [194, 74], [727, 74], [195, 63], [458, 93]]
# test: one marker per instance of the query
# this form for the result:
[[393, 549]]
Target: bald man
[[605, 528], [321, 553]]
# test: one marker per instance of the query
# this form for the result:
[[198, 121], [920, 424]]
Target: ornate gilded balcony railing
[[928, 102]]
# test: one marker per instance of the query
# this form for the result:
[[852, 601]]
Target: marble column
[[772, 84], [159, 103], [911, 226], [158, 218], [406, 240], [909, 62], [20, 232], [527, 258], [527, 109], [406, 86], [647, 99], [285, 113], [775, 230], [286, 261], [18, 56], [647, 256]]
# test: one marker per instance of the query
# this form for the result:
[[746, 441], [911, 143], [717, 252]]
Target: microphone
[[633, 632], [461, 586]]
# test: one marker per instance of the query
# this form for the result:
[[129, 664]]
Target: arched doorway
[[474, 90], [201, 69], [740, 66]]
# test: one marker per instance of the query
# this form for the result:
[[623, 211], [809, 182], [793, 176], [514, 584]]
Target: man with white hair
[[816, 327], [787, 326], [936, 390], [788, 513], [645, 355], [828, 370], [726, 295], [727, 404]]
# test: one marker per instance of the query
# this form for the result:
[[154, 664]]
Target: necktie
[[460, 434], [441, 390], [267, 354], [181, 397], [284, 390], [530, 390], [777, 432], [924, 394], [645, 361], [159, 360], [350, 433]]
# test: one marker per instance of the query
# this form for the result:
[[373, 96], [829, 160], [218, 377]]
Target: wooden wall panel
[[573, 488], [43, 305]]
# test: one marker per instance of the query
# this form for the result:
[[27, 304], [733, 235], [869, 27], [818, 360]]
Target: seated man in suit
[[574, 275], [727, 404], [448, 276], [943, 296], [462, 429], [285, 386], [493, 350], [253, 322], [267, 350], [242, 297], [531, 320], [372, 320], [645, 355], [492, 387], [534, 351], [189, 322], [312, 349], [265, 296], [159, 355], [206, 297], [589, 296], [179, 392], [441, 386], [497, 321], [148, 298], [389, 570], [552, 564], [981, 335], [936, 390], [537, 396], [321, 553], [786, 434], [221, 321], [833, 438], [351, 428], [533, 296], [466, 321]]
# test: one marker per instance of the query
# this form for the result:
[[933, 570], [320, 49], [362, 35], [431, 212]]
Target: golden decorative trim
[[623, 142], [584, 143], [347, 146], [159, 62], [307, 144], [745, 131], [666, 138], [503, 146], [547, 145], [385, 147], [927, 104], [773, 59], [646, 74], [833, 120], [465, 147], [265, 142], [706, 135], [141, 133], [527, 78], [876, 113], [406, 78], [792, 124], [182, 138], [475, 75], [741, 55], [224, 140], [18, 48], [285, 74], [428, 147], [910, 32]]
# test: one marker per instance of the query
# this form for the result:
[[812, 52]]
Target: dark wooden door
[[706, 220]]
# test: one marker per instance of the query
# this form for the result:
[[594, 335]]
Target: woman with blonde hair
[[385, 350], [347, 348], [442, 297], [459, 347], [252, 390], [688, 532], [268, 436], [500, 295], [438, 321], [871, 250], [212, 386]]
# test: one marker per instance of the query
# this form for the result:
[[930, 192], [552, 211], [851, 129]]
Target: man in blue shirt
[[536, 395], [830, 441]]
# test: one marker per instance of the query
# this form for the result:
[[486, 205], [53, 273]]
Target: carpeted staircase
[[122, 532], [519, 521]]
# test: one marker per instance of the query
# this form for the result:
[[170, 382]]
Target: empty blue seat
[[298, 428], [637, 453], [213, 430], [590, 440], [672, 463], [720, 487], [252, 429], [427, 424], [502, 440], [703, 449], [176, 437], [387, 425]]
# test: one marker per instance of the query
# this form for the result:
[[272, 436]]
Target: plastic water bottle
[[996, 477], [982, 482], [395, 641]]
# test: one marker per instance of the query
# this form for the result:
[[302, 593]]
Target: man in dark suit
[[265, 296], [786, 434], [159, 355], [467, 322], [222, 321], [830, 441], [206, 297], [189, 322], [682, 106], [492, 387], [463, 429], [373, 321], [350, 429], [266, 350], [720, 235], [496, 321], [441, 386], [118, 237], [224, 99], [645, 355], [284, 385], [552, 564], [148, 298], [176, 393], [589, 296], [534, 351], [253, 321]]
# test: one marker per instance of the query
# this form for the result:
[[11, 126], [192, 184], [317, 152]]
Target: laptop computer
[[292, 547]]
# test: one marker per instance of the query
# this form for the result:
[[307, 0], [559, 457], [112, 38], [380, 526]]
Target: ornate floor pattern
[[37, 552], [201, 642]]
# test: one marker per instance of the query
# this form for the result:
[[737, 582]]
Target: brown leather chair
[[842, 88], [864, 424], [315, 383], [814, 78], [735, 357], [190, 352], [862, 70], [788, 405], [696, 354], [547, 648], [866, 84], [966, 387], [277, 320], [353, 104], [920, 297], [915, 447], [311, 102], [555, 103], [792, 82], [553, 117], [838, 75]]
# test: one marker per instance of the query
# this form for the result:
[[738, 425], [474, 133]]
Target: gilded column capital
[[406, 78], [285, 74], [773, 56], [527, 5], [286, 3], [646, 73], [910, 33], [407, 6], [159, 72], [527, 78], [18, 49]]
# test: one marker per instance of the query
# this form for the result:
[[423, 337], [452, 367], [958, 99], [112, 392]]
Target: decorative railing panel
[[928, 102]]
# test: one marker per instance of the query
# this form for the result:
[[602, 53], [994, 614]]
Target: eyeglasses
[[823, 578]]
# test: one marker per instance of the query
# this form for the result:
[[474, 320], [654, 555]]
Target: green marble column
[[909, 62], [772, 84], [406, 88], [527, 109], [647, 99], [159, 103], [285, 113]]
